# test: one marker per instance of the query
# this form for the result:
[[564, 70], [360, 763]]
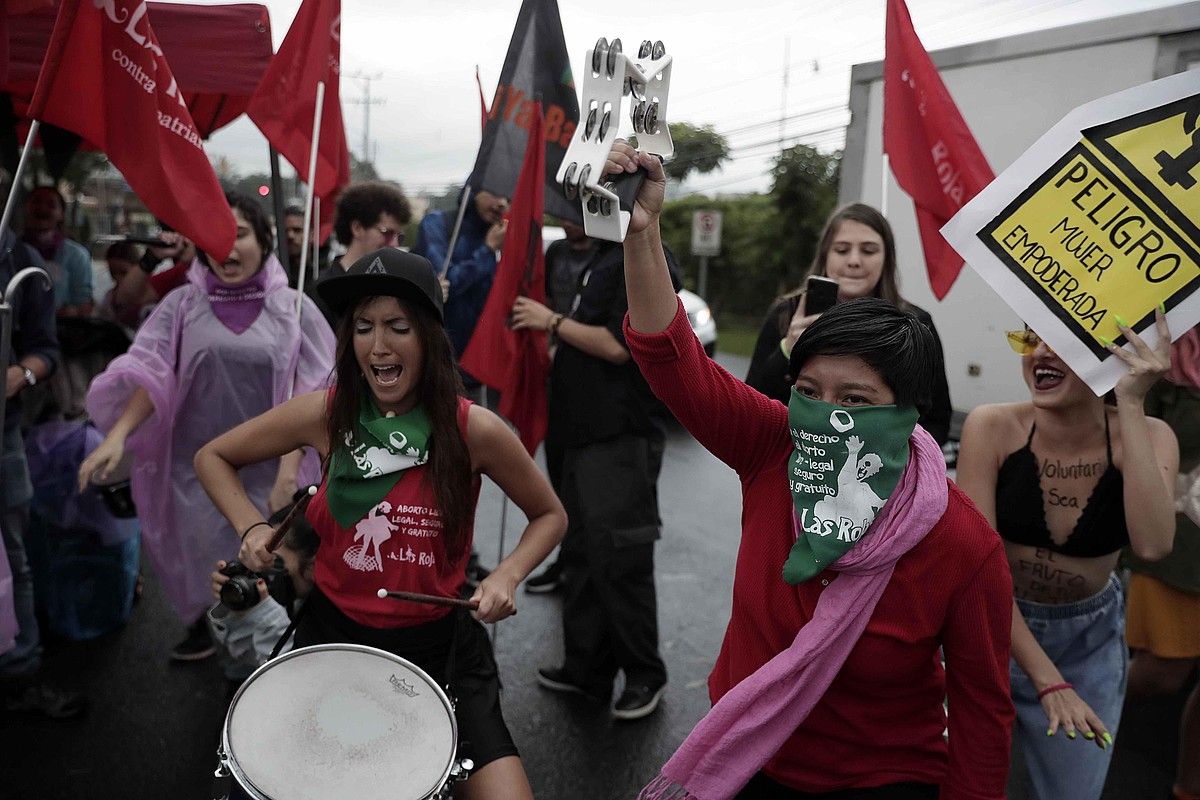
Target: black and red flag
[[536, 69], [515, 362]]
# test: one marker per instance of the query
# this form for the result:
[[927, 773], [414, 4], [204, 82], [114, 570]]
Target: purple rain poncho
[[204, 379]]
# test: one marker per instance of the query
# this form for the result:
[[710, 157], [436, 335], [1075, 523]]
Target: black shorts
[[482, 734]]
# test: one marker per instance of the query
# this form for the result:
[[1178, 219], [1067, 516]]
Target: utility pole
[[366, 101], [787, 52]]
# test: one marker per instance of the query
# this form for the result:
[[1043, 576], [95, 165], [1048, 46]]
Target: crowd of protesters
[[1023, 606]]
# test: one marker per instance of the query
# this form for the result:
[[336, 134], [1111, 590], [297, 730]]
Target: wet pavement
[[153, 726]]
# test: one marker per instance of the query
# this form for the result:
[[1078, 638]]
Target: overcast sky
[[728, 72]]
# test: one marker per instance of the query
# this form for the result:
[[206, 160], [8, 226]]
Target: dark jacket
[[33, 328], [769, 370]]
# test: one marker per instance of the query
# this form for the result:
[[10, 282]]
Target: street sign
[[1096, 224], [706, 233]]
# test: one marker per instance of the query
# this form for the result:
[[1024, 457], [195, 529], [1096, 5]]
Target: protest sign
[[1097, 221]]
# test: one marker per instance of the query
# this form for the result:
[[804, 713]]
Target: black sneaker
[[556, 679], [36, 697], [196, 646], [638, 701], [547, 581]]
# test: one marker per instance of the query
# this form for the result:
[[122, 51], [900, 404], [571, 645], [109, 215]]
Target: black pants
[[761, 787], [610, 611]]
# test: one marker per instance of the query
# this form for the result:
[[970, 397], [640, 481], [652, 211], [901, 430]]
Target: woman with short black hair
[[859, 563]]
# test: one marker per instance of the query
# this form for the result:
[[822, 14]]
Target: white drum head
[[340, 721]]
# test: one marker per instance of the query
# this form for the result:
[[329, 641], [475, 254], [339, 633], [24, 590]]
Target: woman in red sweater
[[829, 682], [403, 454]]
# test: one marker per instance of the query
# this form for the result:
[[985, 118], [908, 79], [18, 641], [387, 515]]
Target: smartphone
[[820, 295]]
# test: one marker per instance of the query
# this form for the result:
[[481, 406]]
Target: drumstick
[[286, 525], [432, 599]]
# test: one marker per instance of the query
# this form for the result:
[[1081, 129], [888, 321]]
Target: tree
[[804, 190], [697, 149]]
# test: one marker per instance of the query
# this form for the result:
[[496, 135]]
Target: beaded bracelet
[[1057, 687], [252, 527]]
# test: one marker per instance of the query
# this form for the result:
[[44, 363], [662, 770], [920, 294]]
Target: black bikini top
[[1021, 514]]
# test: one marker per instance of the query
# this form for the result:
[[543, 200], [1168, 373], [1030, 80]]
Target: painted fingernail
[[1162, 307], [1120, 320], [1089, 735], [1049, 731], [1070, 734], [1106, 342], [1108, 737]]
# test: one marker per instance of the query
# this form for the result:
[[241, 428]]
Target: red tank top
[[397, 546]]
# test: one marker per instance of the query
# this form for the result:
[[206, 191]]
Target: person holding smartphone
[[858, 252]]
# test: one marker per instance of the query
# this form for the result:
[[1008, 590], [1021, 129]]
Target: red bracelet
[[1058, 687]]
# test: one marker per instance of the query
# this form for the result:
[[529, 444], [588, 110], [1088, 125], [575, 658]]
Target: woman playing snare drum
[[395, 509]]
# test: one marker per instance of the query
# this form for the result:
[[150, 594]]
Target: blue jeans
[[1086, 641], [15, 493]]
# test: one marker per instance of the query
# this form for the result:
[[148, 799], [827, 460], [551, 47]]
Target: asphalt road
[[153, 727]]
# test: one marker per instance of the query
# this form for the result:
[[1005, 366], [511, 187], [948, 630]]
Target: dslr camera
[[240, 592]]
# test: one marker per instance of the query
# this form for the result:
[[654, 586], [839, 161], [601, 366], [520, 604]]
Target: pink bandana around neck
[[753, 720], [236, 305]]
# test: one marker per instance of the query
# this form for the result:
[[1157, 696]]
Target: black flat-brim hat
[[388, 272]]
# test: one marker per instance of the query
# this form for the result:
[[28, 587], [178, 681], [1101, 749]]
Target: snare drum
[[341, 720]]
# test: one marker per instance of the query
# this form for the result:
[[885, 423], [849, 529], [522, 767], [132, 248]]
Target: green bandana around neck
[[844, 465], [373, 457]]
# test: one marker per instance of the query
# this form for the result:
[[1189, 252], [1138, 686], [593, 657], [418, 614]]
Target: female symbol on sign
[[1176, 170]]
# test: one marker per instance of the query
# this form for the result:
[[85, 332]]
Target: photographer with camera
[[254, 609]]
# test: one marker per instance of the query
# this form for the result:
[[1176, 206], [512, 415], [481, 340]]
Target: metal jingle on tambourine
[[614, 50], [584, 174], [568, 181], [598, 54], [659, 50], [638, 116], [646, 48], [605, 203], [650, 123], [604, 120], [593, 204], [590, 125]]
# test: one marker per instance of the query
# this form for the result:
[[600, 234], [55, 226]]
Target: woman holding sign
[[858, 561], [1068, 482]]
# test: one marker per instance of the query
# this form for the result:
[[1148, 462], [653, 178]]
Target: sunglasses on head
[[1023, 342]]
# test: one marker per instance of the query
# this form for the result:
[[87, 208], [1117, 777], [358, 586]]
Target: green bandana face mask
[[845, 464], [365, 469]]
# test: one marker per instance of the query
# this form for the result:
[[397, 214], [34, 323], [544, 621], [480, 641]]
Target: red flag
[[282, 107], [516, 362], [931, 150], [104, 78], [483, 109]]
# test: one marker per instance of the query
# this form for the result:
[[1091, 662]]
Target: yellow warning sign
[[1098, 221], [1110, 229]]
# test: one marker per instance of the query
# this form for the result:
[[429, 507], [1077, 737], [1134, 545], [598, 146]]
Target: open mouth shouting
[[1046, 377], [386, 375]]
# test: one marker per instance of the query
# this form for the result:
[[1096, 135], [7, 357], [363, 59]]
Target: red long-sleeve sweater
[[881, 720]]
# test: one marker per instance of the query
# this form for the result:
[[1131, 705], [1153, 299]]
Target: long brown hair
[[449, 467], [888, 287]]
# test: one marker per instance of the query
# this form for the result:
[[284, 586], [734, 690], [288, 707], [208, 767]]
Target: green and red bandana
[[374, 455], [844, 466]]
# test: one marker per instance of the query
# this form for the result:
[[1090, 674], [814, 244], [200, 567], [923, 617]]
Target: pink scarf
[[752, 721], [1185, 360], [237, 305]]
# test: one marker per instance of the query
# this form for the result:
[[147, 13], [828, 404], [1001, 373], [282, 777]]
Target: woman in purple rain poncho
[[221, 349]]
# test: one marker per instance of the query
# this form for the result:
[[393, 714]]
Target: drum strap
[[291, 629]]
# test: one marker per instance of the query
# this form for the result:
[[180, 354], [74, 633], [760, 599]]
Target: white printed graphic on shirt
[[372, 531], [378, 527]]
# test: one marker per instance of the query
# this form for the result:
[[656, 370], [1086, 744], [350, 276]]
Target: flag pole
[[11, 202], [462, 209], [308, 207], [281, 249], [885, 168], [308, 201]]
